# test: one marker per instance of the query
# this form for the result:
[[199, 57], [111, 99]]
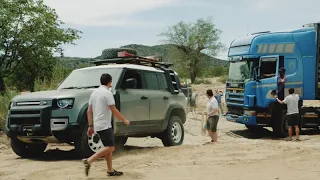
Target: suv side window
[[135, 74], [163, 85], [152, 80]]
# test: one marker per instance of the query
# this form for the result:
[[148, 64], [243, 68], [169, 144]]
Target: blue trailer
[[255, 61]]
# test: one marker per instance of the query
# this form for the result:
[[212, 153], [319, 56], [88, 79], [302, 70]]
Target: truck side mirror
[[255, 74]]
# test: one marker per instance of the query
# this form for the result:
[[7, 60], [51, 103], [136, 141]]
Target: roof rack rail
[[133, 59]]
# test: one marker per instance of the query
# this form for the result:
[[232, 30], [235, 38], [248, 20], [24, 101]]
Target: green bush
[[215, 71], [223, 79], [4, 105]]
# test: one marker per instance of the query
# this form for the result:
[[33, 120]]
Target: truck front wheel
[[254, 129], [280, 124], [27, 150]]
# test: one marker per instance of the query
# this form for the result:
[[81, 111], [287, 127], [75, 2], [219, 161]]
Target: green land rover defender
[[147, 92]]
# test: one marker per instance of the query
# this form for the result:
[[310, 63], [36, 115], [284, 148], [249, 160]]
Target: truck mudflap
[[242, 119]]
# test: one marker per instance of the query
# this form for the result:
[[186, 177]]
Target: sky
[[113, 23]]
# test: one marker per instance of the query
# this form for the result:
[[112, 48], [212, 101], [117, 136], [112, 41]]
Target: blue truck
[[255, 61]]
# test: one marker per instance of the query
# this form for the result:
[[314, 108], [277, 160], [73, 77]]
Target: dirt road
[[238, 156]]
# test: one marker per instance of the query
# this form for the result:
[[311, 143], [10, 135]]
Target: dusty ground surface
[[238, 155]]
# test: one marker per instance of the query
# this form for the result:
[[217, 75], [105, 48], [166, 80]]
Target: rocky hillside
[[157, 50]]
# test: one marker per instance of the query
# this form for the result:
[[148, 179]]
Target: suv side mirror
[[131, 83], [255, 75]]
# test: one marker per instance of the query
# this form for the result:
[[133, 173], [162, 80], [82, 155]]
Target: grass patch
[[202, 81]]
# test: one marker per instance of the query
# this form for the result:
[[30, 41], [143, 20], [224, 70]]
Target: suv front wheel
[[174, 135], [87, 146], [27, 150]]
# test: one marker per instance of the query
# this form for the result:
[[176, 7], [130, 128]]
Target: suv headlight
[[65, 103]]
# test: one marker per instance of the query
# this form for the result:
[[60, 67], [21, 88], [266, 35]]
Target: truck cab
[[255, 61]]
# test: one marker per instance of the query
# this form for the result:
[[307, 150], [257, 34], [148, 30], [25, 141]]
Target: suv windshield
[[240, 70], [88, 78]]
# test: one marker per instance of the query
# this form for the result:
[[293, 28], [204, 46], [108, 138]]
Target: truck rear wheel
[[174, 135], [27, 150]]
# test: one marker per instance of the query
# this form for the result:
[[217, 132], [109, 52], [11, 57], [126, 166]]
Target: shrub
[[4, 106], [223, 79]]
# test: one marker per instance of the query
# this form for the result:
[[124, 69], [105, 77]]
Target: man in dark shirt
[[282, 78]]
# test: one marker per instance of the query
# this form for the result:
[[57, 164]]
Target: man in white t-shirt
[[292, 102], [100, 110], [213, 116]]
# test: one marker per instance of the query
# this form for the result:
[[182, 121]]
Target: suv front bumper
[[39, 124]]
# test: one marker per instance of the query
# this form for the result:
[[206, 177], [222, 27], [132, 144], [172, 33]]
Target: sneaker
[[288, 139], [86, 166], [115, 173]]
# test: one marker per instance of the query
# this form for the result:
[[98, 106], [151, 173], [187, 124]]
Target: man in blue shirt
[[218, 96]]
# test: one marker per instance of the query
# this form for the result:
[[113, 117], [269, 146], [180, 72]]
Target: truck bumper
[[242, 119]]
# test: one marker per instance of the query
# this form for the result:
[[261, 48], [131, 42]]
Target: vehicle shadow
[[267, 134], [71, 155]]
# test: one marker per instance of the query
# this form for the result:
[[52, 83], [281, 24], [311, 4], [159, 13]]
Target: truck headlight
[[65, 103]]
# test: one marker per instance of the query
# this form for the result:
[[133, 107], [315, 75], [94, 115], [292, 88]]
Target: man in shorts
[[101, 108], [292, 101], [213, 116]]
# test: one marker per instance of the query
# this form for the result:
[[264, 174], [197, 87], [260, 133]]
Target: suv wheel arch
[[175, 109]]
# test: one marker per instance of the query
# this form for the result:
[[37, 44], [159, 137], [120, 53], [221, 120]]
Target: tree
[[30, 32], [191, 40]]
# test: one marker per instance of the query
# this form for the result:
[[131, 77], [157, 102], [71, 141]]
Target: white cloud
[[103, 12]]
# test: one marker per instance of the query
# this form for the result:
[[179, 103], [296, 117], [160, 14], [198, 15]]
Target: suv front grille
[[25, 117], [25, 121]]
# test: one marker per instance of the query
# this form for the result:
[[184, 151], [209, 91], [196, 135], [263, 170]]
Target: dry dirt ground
[[238, 155]]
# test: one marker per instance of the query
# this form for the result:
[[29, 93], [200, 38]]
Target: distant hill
[[163, 50], [142, 50]]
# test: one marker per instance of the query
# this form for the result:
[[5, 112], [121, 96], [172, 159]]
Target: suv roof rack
[[132, 59]]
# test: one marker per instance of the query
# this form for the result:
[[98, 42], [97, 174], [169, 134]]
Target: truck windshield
[[240, 70], [88, 78]]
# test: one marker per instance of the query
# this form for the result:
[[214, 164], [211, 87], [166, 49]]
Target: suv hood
[[53, 94]]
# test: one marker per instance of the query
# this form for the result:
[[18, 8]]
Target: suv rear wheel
[[174, 135]]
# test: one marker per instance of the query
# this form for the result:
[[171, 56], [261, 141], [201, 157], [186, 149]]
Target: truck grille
[[235, 96]]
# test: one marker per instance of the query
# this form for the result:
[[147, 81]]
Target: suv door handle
[[165, 97], [144, 97]]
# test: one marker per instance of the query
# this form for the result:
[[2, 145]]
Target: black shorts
[[293, 119], [107, 137], [212, 123]]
